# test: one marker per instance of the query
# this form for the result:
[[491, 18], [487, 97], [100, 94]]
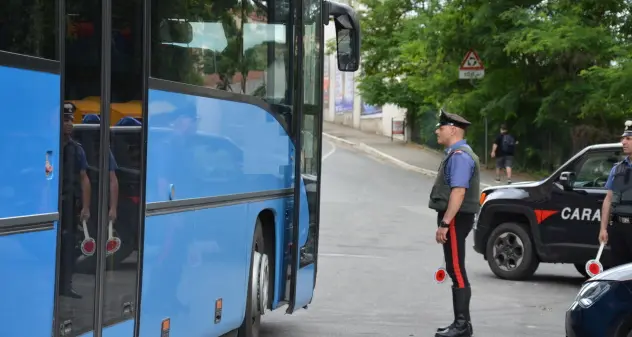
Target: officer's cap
[[69, 110], [446, 118], [627, 132]]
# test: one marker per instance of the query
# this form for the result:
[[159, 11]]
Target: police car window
[[592, 172]]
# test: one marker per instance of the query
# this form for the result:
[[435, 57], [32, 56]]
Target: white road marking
[[333, 149], [351, 255]]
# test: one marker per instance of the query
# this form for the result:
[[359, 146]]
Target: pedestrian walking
[[503, 150], [455, 197], [616, 209]]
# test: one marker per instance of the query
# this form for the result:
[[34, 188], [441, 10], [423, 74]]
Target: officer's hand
[[603, 236], [112, 215], [85, 214], [493, 154], [442, 235]]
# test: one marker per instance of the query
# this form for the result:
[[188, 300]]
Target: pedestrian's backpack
[[508, 144]]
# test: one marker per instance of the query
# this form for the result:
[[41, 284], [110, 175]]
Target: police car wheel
[[510, 252]]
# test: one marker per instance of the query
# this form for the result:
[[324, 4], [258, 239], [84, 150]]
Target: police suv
[[555, 220]]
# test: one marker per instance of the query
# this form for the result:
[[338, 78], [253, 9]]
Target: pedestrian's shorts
[[504, 162]]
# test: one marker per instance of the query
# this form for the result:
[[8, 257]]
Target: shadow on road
[[274, 329], [545, 279], [558, 280]]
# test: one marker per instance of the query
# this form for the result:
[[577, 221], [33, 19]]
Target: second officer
[[617, 205]]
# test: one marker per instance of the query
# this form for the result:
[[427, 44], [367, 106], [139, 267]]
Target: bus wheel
[[257, 297]]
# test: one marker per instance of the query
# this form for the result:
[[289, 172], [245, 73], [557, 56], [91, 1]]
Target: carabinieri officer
[[455, 197], [617, 205]]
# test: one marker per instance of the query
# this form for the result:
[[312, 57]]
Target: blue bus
[[160, 162]]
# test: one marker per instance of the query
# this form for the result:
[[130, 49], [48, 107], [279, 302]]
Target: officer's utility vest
[[622, 190], [440, 194]]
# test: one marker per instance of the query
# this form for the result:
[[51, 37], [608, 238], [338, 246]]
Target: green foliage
[[558, 72], [233, 59], [330, 47]]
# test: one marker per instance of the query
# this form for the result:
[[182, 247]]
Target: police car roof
[[556, 172], [602, 146]]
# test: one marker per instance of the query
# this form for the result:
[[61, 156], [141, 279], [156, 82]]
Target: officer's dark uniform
[[459, 168], [74, 161], [620, 229]]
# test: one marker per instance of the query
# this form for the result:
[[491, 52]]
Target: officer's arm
[[461, 167], [114, 186], [605, 207], [454, 204], [85, 181], [605, 210]]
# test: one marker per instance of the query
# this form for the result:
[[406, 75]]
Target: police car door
[[577, 229]]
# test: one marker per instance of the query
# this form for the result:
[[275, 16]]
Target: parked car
[[603, 306]]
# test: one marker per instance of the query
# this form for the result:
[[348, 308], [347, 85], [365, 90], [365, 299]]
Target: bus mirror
[[175, 31], [347, 35]]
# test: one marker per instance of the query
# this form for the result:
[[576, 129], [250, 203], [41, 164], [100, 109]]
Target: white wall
[[379, 122]]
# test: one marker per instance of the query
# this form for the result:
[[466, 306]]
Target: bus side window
[[176, 48], [29, 28]]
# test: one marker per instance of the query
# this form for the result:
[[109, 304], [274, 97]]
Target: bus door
[[309, 109], [30, 76], [101, 160]]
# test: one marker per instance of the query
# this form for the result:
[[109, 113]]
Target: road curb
[[377, 153], [339, 140]]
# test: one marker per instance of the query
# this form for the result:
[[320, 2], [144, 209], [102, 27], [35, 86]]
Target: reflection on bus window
[[81, 181], [28, 27], [242, 50], [312, 118]]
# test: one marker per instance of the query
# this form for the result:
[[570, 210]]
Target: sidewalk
[[408, 156]]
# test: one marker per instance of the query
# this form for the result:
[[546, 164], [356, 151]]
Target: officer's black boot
[[66, 266], [453, 309], [462, 326]]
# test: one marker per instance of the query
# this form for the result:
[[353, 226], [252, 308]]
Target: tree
[[556, 71]]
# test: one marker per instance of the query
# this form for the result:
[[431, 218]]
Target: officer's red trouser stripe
[[455, 255]]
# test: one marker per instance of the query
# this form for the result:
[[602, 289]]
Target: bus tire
[[257, 292]]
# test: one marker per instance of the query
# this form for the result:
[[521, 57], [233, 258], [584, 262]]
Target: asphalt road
[[377, 259]]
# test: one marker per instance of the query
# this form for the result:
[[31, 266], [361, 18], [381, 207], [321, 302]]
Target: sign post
[[471, 67]]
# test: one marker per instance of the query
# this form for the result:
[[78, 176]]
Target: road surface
[[377, 259]]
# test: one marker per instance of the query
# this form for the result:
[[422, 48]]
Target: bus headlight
[[591, 292]]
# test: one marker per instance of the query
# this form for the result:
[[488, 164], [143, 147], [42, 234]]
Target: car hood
[[620, 273], [513, 185]]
